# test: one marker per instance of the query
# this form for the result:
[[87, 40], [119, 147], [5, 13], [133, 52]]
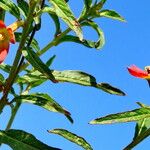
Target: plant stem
[[139, 139], [14, 69], [53, 42], [13, 114]]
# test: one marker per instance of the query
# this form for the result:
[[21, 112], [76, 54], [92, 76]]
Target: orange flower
[[6, 37], [137, 72]]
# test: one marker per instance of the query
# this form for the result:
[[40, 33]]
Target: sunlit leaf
[[21, 140], [10, 6], [63, 10], [72, 76], [111, 14], [141, 126], [128, 116], [37, 63], [44, 101], [72, 137]]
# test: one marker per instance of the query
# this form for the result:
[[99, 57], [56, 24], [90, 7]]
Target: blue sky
[[126, 43]]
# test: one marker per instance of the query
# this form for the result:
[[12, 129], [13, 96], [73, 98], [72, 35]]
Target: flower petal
[[3, 54], [137, 72], [11, 35], [2, 25]]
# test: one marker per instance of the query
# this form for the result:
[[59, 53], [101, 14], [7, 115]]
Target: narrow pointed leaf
[[72, 137], [50, 61], [37, 63], [82, 78], [11, 7], [24, 7], [141, 127], [134, 115], [21, 140], [111, 14], [63, 10], [72, 76], [138, 140], [44, 101]]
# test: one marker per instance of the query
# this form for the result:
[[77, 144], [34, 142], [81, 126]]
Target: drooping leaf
[[82, 78], [10, 6], [34, 43], [23, 7], [111, 14], [63, 10], [72, 76], [44, 101], [72, 137], [101, 40], [55, 18], [37, 63], [128, 116], [91, 44], [21, 140]]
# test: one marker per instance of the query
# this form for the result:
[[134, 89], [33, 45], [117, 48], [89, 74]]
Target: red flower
[[6, 37], [137, 72]]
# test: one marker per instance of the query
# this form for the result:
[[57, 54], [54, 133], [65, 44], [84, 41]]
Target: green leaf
[[99, 6], [87, 3], [23, 7], [37, 63], [82, 78], [5, 68], [44, 101], [55, 18], [63, 10], [128, 116], [137, 140], [101, 40], [141, 127], [21, 140], [11, 7], [91, 44], [111, 14], [72, 76], [34, 43], [50, 61], [72, 137]]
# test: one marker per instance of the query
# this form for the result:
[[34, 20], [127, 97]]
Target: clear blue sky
[[126, 43]]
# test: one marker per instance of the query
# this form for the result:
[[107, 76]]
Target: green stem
[[13, 114], [139, 139], [14, 69], [54, 42]]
